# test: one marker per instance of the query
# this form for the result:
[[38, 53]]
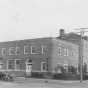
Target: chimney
[[62, 33]]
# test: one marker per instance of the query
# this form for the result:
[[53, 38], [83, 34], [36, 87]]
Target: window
[[27, 49], [59, 51], [19, 64], [1, 64], [43, 66], [35, 49], [3, 51], [12, 50], [66, 67], [11, 65], [65, 52], [16, 64], [58, 68], [44, 49], [17, 51]]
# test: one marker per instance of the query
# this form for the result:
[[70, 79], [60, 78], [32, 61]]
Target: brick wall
[[69, 58], [36, 58]]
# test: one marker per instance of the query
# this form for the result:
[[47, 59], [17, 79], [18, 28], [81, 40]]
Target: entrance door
[[28, 67], [43, 66]]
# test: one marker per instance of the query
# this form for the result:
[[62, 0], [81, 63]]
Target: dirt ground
[[42, 83]]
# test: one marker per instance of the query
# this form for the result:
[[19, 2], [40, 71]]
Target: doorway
[[29, 67]]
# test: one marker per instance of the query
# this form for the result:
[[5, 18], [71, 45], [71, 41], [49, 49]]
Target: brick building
[[40, 55], [14, 55]]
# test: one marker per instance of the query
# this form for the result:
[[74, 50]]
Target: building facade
[[15, 55], [42, 55], [65, 54], [37, 55]]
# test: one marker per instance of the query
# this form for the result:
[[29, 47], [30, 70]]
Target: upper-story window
[[65, 52], [17, 51], [12, 50], [59, 51], [42, 49], [27, 49], [36, 49], [3, 51]]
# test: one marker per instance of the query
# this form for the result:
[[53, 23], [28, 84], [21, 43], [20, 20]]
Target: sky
[[26, 19]]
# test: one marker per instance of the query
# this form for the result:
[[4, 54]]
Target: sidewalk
[[53, 83], [22, 79]]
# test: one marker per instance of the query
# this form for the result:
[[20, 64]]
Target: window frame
[[25, 46], [66, 52], [34, 46], [58, 68], [2, 52], [8, 65], [11, 48], [16, 50], [16, 65], [42, 47]]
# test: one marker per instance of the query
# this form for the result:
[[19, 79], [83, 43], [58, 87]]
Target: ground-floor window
[[65, 68], [16, 64], [58, 68], [19, 64], [11, 65], [1, 66]]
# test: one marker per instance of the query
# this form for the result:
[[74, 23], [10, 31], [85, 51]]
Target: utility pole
[[81, 46], [81, 55]]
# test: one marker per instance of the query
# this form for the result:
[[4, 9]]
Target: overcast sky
[[25, 19]]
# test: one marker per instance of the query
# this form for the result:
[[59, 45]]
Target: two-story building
[[40, 55]]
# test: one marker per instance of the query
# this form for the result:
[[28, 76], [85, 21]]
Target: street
[[42, 83]]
